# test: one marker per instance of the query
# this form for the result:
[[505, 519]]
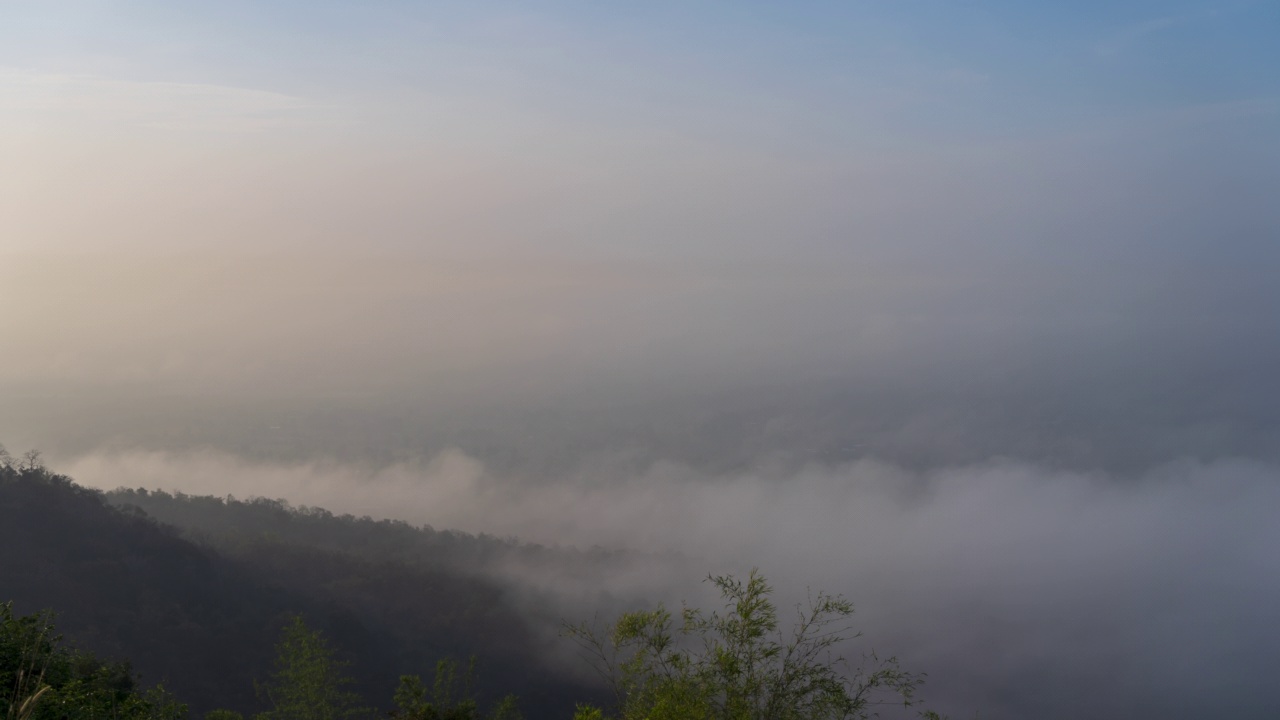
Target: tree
[[27, 647], [450, 697], [309, 682], [45, 681], [32, 461], [737, 664]]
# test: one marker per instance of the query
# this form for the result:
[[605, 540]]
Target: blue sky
[[954, 68]]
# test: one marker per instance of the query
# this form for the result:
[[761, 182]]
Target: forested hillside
[[231, 524], [201, 617]]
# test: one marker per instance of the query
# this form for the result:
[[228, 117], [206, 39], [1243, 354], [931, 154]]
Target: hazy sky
[[1004, 209], [1013, 260]]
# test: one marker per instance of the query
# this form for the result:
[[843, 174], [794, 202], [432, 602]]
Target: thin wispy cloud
[[1127, 38], [31, 96]]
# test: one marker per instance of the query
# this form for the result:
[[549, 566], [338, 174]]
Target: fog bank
[[1014, 586]]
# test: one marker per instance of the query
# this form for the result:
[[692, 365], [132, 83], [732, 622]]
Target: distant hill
[[199, 608], [229, 523]]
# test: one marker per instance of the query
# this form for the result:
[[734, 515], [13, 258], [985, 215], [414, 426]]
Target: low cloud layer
[[1024, 592]]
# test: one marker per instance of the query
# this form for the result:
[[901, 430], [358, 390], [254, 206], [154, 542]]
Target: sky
[[558, 268], [963, 230]]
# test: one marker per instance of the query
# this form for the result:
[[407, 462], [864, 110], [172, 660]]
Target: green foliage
[[588, 712], [310, 682], [737, 664], [45, 681], [506, 709], [26, 649], [221, 714], [450, 697]]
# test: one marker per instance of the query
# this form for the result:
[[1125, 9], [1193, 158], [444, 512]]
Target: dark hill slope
[[228, 523], [203, 620], [126, 588]]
